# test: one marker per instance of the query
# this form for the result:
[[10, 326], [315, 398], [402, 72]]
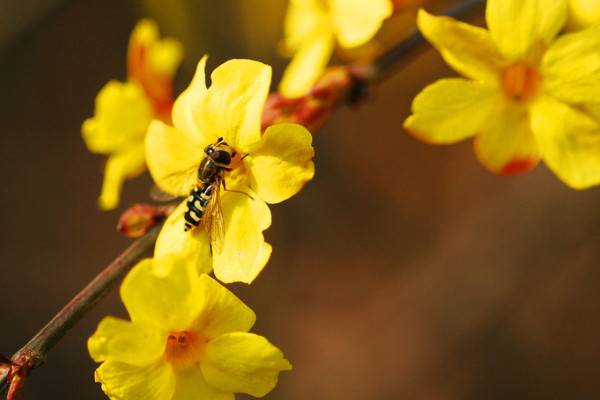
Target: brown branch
[[37, 348]]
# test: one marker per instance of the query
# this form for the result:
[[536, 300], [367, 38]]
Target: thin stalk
[[38, 347]]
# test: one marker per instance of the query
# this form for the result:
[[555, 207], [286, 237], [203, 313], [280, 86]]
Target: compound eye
[[221, 157], [208, 149]]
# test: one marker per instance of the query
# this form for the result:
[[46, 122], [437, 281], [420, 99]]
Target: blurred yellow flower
[[583, 14], [187, 339], [124, 110], [529, 94], [268, 168], [311, 29]]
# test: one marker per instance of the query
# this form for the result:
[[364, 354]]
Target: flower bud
[[314, 108], [139, 218]]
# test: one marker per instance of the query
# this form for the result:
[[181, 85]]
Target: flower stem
[[38, 347]]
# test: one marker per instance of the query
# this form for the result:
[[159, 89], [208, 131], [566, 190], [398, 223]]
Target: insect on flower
[[204, 203], [267, 167]]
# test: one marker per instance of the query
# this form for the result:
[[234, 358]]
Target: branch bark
[[38, 347]]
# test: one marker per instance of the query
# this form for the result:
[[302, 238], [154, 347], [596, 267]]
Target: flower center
[[520, 82], [184, 349]]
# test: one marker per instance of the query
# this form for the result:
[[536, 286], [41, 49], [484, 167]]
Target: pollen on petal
[[520, 82]]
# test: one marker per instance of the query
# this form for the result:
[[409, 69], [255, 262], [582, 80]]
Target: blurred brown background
[[414, 274]]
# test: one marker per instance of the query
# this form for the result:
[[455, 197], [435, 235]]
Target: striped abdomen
[[196, 205]]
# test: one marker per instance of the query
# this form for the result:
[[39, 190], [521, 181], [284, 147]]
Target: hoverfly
[[204, 202]]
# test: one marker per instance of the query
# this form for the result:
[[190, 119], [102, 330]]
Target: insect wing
[[214, 223], [157, 194], [179, 179]]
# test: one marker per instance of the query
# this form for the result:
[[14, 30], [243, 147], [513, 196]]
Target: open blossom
[[267, 168], [124, 110], [187, 339], [313, 27], [529, 95]]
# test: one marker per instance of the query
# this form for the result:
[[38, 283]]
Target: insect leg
[[234, 191]]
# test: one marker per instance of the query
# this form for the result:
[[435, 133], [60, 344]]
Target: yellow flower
[[583, 14], [187, 339], [529, 95], [124, 110], [275, 166], [312, 27]]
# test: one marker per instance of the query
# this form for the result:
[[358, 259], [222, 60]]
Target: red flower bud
[[139, 218]]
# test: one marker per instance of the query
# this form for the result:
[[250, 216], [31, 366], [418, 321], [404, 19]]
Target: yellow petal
[[243, 362], [357, 21], [186, 110], [466, 48], [308, 64], [124, 341], [119, 166], [191, 385], [163, 55], [172, 158], [451, 110], [302, 18], [173, 241], [122, 114], [571, 67], [220, 311], [569, 141], [167, 300], [232, 107], [593, 109], [121, 381], [523, 29], [583, 14], [245, 252], [507, 146], [282, 162], [152, 62]]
